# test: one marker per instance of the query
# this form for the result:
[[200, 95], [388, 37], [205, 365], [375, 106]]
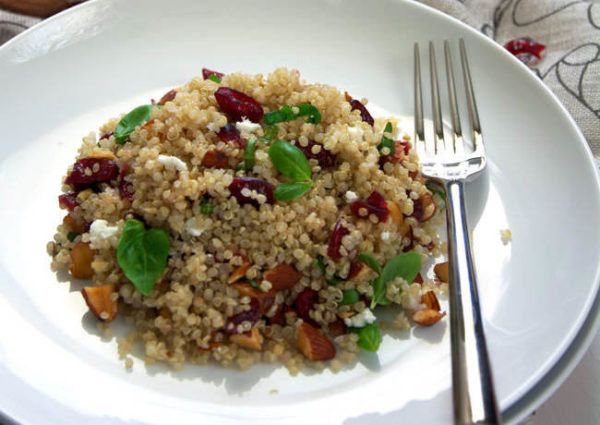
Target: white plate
[[68, 75]]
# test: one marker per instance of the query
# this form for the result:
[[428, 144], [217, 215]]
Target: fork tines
[[438, 126]]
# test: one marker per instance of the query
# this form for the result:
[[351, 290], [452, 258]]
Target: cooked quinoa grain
[[256, 214]]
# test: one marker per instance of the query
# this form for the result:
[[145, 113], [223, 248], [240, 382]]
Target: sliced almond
[[359, 271], [397, 217], [427, 317], [73, 225], [441, 271], [239, 273], [282, 276], [102, 154], [100, 301], [430, 300], [265, 299], [424, 207], [252, 339], [81, 261], [314, 344], [338, 328]]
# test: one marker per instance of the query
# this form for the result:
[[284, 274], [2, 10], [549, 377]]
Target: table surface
[[577, 401]]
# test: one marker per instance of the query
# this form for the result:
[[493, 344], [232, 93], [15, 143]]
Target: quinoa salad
[[248, 218]]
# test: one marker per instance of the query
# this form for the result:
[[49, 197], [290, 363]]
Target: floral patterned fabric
[[570, 30]]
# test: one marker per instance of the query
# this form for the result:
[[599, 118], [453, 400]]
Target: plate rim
[[558, 368]]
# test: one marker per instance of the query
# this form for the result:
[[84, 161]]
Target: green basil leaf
[[207, 207], [214, 78], [320, 264], [270, 133], [249, 154], [253, 283], [349, 296], [290, 161], [334, 280], [370, 261], [406, 266], [129, 122], [142, 254], [369, 337], [379, 287], [386, 142], [290, 191], [289, 113], [71, 236], [436, 188]]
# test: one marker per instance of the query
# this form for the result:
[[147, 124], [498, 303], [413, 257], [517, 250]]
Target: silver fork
[[450, 166]]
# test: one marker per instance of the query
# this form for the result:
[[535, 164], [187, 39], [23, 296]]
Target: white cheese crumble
[[100, 230], [355, 132], [361, 319], [385, 236], [505, 236], [213, 127], [351, 196], [172, 162], [247, 126], [192, 228]]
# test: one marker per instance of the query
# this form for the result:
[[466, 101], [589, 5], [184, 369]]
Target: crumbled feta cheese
[[361, 319], [385, 236], [172, 162], [213, 127], [100, 230], [351, 196], [505, 236], [355, 132], [247, 126], [192, 227]]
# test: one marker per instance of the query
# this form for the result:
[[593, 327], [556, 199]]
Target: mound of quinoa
[[163, 181]]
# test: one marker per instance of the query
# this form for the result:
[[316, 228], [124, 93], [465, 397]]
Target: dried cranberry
[[364, 113], [251, 183], [335, 240], [208, 72], [338, 328], [106, 135], [238, 105], [68, 201], [374, 204], [126, 189], [230, 133], [304, 303], [526, 50], [88, 171], [325, 158], [252, 315], [167, 97], [215, 159]]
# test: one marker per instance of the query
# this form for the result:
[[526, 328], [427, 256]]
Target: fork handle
[[473, 389]]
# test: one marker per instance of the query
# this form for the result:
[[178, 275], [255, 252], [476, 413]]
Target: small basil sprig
[[291, 162], [214, 78], [249, 154], [349, 296], [206, 207], [289, 113], [142, 254], [386, 142], [129, 122], [369, 337], [406, 266], [270, 133]]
